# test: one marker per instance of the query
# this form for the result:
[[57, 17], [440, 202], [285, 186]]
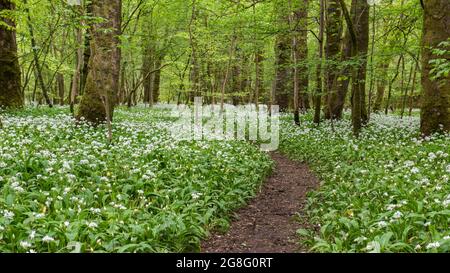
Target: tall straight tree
[[358, 27], [301, 52], [360, 21], [435, 114], [282, 56], [332, 50], [102, 84], [87, 49], [10, 90], [37, 63], [147, 67], [319, 85], [360, 18]]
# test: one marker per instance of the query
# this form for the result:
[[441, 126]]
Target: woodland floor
[[268, 224]]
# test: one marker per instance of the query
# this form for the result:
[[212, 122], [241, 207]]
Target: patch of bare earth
[[268, 224]]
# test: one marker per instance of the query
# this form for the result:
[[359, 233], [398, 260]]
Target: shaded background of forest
[[297, 54]]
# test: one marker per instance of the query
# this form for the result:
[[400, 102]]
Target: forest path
[[268, 224]]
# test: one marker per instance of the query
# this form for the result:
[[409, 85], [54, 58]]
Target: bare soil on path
[[269, 223]]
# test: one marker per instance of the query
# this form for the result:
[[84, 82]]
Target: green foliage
[[441, 65], [387, 191]]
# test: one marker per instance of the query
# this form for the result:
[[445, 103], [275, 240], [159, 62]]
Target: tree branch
[[350, 26]]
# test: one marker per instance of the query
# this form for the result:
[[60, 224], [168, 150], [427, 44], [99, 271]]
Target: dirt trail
[[268, 224]]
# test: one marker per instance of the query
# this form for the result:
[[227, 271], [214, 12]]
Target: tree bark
[[361, 22], [259, 71], [87, 51], [157, 80], [102, 84], [381, 86], [413, 89], [40, 78], [356, 95], [282, 58], [391, 83], [319, 87], [147, 66], [195, 68], [301, 53], [75, 87], [332, 50], [10, 89], [61, 88], [435, 115]]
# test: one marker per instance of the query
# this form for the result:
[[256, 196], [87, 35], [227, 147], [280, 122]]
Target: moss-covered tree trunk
[[102, 82], [10, 91], [435, 114]]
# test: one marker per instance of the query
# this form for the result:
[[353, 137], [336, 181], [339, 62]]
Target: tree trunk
[[122, 88], [356, 95], [332, 50], [195, 68], [372, 66], [435, 114], [318, 92], [406, 91], [227, 72], [301, 53], [413, 89], [87, 52], [61, 88], [102, 83], [381, 86], [282, 58], [258, 77], [147, 66], [10, 89], [236, 77], [282, 73], [75, 87], [337, 100], [391, 83], [37, 64], [361, 23], [157, 80]]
